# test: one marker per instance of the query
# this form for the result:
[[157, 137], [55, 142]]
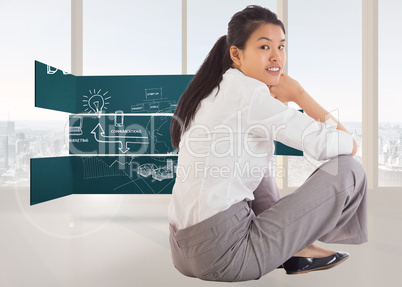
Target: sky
[[144, 37]]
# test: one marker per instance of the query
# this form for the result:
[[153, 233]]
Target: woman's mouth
[[274, 70]]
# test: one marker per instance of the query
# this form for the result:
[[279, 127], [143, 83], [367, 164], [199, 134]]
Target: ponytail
[[205, 80]]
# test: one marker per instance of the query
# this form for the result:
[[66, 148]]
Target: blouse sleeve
[[268, 118]]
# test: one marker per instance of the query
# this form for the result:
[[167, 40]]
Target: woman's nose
[[275, 56]]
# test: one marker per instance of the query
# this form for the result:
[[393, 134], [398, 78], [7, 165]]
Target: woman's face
[[263, 57]]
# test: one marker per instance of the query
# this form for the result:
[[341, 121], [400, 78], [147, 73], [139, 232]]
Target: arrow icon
[[123, 148]]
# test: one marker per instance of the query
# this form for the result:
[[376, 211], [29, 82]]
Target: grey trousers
[[247, 241]]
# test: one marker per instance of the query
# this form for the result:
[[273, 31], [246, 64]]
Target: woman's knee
[[347, 162], [349, 165], [344, 166]]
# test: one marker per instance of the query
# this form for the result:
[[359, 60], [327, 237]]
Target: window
[[29, 32], [324, 55], [125, 37]]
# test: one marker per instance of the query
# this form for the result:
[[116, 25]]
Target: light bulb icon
[[96, 102]]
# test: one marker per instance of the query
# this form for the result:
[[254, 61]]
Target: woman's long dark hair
[[218, 61]]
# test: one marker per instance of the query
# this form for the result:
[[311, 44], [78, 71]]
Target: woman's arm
[[317, 112], [289, 89]]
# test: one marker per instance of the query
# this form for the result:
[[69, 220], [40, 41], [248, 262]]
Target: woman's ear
[[235, 55]]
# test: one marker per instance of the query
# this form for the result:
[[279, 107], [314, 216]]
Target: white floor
[[122, 240]]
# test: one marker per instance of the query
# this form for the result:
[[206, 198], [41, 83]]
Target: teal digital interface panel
[[118, 134]]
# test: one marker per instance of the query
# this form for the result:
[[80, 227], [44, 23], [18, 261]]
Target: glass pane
[[324, 56], [206, 25], [125, 37], [389, 94], [29, 32]]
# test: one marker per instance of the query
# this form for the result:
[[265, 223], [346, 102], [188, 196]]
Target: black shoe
[[297, 265]]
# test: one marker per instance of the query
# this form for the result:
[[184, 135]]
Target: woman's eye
[[265, 47]]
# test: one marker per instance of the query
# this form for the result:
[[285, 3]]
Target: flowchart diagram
[[120, 134]]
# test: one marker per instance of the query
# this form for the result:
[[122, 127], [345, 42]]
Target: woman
[[227, 219]]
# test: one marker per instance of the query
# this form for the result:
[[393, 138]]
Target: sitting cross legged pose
[[227, 219]]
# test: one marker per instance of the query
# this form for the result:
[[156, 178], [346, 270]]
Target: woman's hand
[[287, 89]]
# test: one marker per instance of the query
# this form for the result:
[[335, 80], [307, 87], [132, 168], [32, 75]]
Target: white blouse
[[227, 148]]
